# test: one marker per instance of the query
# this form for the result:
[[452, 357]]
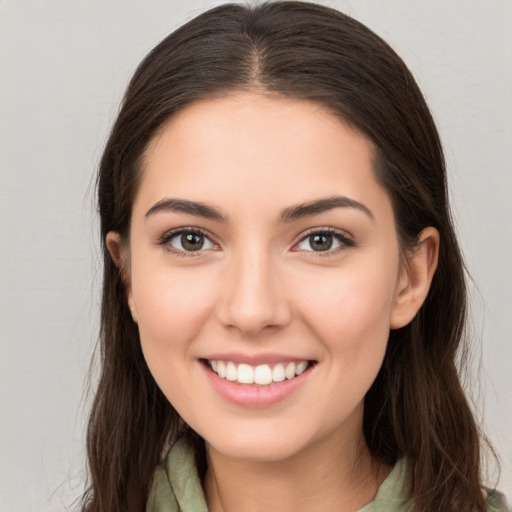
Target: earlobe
[[415, 278], [120, 257]]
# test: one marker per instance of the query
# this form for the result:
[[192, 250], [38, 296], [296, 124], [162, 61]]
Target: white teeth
[[262, 374], [290, 371], [301, 367], [245, 374], [278, 373], [231, 373], [221, 369]]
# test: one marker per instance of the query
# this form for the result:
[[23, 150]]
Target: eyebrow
[[322, 205], [183, 206], [289, 214]]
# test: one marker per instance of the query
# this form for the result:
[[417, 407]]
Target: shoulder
[[395, 495], [496, 502]]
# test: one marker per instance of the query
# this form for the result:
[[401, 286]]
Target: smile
[[262, 375]]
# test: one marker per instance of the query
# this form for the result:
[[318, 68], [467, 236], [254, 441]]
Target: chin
[[257, 452], [259, 445]]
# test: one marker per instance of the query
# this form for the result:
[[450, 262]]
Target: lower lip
[[251, 395]]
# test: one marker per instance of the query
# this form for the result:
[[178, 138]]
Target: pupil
[[192, 241], [321, 242]]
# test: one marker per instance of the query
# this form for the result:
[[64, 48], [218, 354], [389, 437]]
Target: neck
[[341, 477]]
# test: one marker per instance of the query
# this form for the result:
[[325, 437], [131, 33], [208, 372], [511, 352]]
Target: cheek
[[171, 310], [170, 303], [351, 319], [351, 312], [365, 293]]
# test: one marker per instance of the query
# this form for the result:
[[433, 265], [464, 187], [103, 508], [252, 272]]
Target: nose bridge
[[252, 299]]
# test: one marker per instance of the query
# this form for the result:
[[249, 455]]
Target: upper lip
[[255, 359]]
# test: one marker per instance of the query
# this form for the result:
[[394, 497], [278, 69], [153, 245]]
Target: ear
[[120, 257], [415, 278]]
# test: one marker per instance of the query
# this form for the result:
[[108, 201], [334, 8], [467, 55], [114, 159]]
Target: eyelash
[[166, 238], [342, 238]]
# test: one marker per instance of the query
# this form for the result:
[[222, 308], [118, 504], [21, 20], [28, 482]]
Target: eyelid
[[345, 239], [164, 240]]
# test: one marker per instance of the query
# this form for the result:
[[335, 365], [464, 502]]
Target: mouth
[[259, 375]]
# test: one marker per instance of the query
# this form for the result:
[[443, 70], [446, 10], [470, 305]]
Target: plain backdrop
[[63, 68]]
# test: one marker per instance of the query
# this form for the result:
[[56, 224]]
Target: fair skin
[[229, 264]]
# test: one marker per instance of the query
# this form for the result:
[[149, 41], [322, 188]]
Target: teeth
[[301, 367], [221, 369], [231, 373], [278, 373], [289, 371], [245, 374], [262, 374]]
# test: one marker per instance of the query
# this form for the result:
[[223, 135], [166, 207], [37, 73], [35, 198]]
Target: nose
[[252, 298]]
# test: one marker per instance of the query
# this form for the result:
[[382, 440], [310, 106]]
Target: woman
[[283, 294]]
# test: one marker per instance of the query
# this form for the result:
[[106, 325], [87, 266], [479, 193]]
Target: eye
[[187, 241], [326, 240]]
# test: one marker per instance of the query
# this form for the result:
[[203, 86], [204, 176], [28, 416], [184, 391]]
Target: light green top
[[177, 487]]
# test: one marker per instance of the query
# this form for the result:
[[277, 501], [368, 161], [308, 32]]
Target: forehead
[[259, 150]]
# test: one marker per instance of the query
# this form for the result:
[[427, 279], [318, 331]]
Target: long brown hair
[[416, 407]]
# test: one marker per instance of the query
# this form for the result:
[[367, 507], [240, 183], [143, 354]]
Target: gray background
[[63, 68]]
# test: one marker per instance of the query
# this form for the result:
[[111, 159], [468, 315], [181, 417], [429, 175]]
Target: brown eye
[[188, 241], [324, 241], [321, 242], [192, 241]]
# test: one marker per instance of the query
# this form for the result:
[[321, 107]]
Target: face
[[263, 272]]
